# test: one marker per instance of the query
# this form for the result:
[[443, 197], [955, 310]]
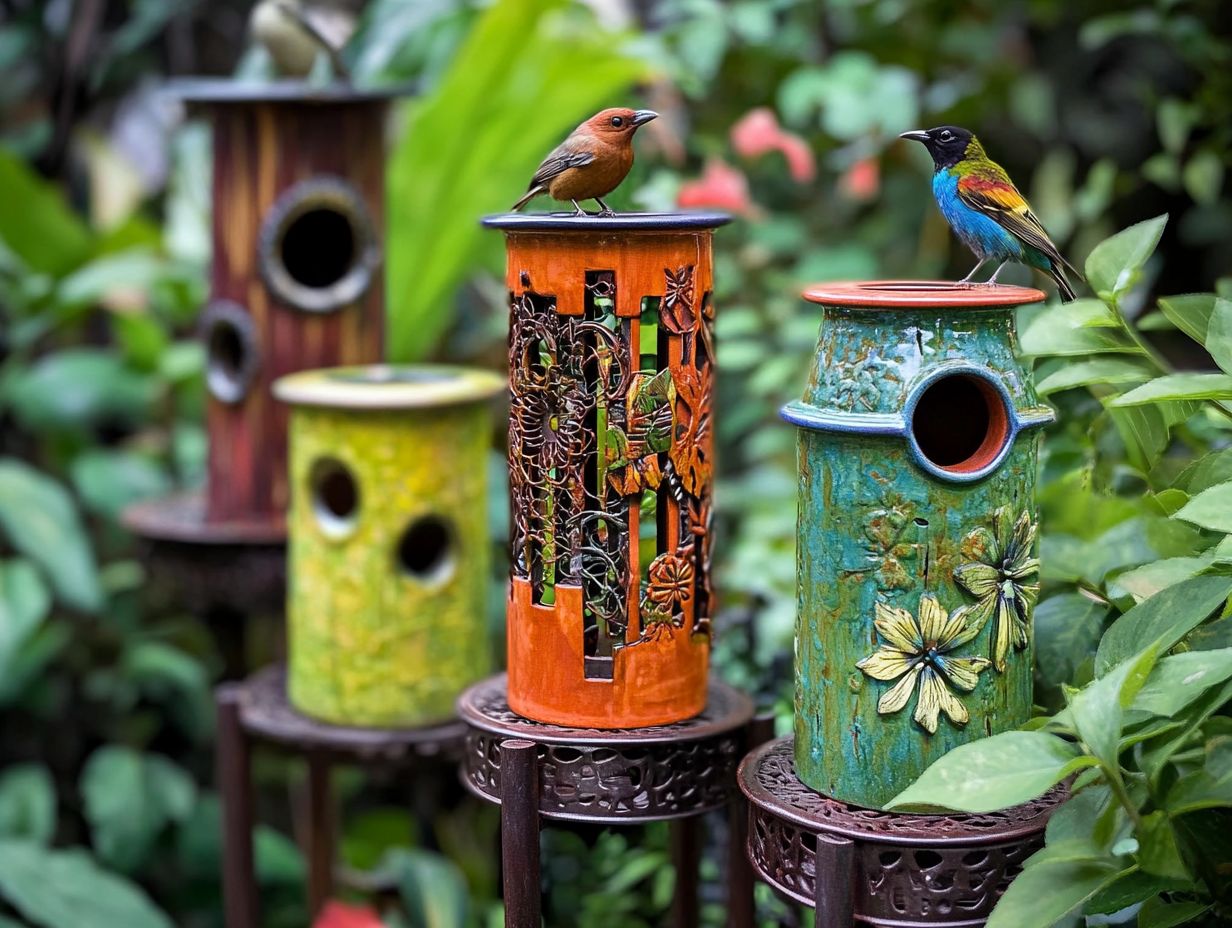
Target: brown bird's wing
[[562, 158], [989, 190]]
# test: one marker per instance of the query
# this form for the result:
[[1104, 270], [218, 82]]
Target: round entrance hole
[[318, 250], [318, 247], [230, 351], [335, 496], [960, 424], [425, 551]]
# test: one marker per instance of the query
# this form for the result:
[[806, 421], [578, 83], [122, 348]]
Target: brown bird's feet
[[604, 210], [578, 209]]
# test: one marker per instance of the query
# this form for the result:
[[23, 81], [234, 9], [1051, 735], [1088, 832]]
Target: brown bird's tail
[[1063, 285], [528, 196]]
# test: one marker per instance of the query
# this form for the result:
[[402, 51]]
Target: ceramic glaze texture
[[611, 358], [387, 609], [916, 572]]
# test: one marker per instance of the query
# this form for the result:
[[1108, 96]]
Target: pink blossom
[[337, 914], [862, 180], [759, 132], [720, 186]]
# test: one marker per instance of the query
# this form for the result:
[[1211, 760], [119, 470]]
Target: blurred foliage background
[[786, 112]]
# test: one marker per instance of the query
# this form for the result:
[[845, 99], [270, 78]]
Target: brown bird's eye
[[618, 121]]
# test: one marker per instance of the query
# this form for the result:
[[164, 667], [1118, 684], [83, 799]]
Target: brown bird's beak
[[918, 135], [641, 117]]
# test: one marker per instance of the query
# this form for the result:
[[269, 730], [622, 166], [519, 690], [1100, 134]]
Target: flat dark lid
[[906, 294], [621, 222], [232, 90]]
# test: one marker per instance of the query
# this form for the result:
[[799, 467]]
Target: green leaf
[[27, 803], [1155, 754], [1203, 176], [1115, 264], [78, 388], [1165, 618], [1206, 471], [1098, 709], [1190, 312], [1043, 336], [1131, 889], [129, 798], [432, 887], [109, 480], [1179, 679], [1067, 632], [58, 889], [36, 223], [41, 522], [1144, 430], [994, 773], [1102, 371], [1046, 893], [24, 604], [1145, 581], [1219, 335], [1212, 508], [1155, 913], [1173, 387], [1158, 853]]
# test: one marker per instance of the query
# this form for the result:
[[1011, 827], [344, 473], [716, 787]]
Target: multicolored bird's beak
[[918, 135], [641, 117]]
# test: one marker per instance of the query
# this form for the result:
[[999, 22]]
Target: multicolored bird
[[985, 209], [591, 162]]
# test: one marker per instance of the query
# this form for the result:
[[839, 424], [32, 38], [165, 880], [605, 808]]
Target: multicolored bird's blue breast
[[980, 233]]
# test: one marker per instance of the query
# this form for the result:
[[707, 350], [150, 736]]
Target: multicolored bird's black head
[[947, 144]]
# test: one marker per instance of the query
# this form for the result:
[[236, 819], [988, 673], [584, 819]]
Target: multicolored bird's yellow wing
[[990, 191]]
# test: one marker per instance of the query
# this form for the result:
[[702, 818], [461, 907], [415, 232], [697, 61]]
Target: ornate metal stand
[[537, 771], [222, 571], [256, 710], [886, 869]]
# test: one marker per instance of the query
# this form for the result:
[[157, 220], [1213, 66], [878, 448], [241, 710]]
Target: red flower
[[758, 132], [862, 180], [721, 186], [341, 915]]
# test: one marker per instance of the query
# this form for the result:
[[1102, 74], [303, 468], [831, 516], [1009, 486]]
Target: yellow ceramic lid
[[389, 386]]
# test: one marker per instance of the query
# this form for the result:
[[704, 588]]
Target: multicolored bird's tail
[[530, 194], [1057, 270]]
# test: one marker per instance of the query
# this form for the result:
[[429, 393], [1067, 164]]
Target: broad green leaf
[[1155, 754], [1145, 581], [1179, 679], [1103, 371], [1165, 618], [109, 480], [432, 887], [1043, 337], [1067, 631], [1155, 913], [1131, 889], [1085, 817], [1212, 508], [1158, 853], [27, 803], [1199, 790], [994, 773], [40, 521], [1190, 312], [1144, 430], [1203, 176], [1173, 387], [36, 223], [1115, 264], [1219, 335], [1044, 894], [1098, 709], [58, 889], [1212, 635], [78, 388], [24, 603], [198, 843], [129, 798], [1082, 314], [1206, 471]]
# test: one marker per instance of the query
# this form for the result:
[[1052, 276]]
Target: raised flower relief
[[917, 652], [996, 570]]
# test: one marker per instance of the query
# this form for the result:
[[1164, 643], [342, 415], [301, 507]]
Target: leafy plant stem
[[1117, 785]]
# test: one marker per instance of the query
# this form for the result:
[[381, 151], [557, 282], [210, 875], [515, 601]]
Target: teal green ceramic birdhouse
[[916, 550]]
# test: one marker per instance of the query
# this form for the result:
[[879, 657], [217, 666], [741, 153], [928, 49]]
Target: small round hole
[[230, 349], [425, 551], [960, 423], [318, 247], [335, 496]]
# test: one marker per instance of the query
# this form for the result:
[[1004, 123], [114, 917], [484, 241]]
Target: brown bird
[[591, 162]]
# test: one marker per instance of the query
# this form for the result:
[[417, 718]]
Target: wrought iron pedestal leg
[[234, 775], [834, 879], [320, 842], [686, 857], [519, 798], [741, 904]]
